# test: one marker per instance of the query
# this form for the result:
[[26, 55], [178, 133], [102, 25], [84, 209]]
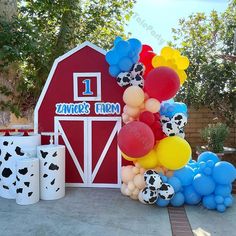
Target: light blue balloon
[[221, 208], [219, 199], [117, 40], [203, 184], [205, 156], [191, 196], [114, 71], [228, 201], [209, 202], [177, 200], [125, 64], [175, 183], [162, 203], [185, 175], [224, 172], [223, 190]]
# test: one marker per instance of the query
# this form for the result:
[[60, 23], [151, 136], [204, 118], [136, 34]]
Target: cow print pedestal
[[13, 148], [27, 184], [52, 171]]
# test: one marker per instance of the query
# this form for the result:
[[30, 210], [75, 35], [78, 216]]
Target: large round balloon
[[206, 156], [149, 161], [173, 152], [136, 139], [203, 184], [162, 83], [133, 96]]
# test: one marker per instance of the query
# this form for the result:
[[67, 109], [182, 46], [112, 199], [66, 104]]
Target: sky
[[153, 20]]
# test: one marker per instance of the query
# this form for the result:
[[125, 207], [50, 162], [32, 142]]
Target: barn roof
[[50, 76]]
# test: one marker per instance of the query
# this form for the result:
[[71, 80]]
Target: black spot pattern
[[54, 154], [7, 156], [23, 171], [6, 187], [169, 125], [164, 187], [44, 154], [57, 189], [53, 182], [19, 190], [32, 175], [161, 196], [151, 180], [6, 172], [30, 193], [17, 178], [5, 143], [45, 175], [27, 184], [19, 152], [0, 163], [14, 183], [53, 167], [45, 163]]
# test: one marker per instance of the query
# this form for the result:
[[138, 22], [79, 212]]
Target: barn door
[[92, 156]]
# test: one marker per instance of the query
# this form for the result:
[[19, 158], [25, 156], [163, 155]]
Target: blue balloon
[[219, 199], [228, 201], [123, 48], [206, 156], [177, 200], [191, 196], [185, 175], [112, 57], [114, 71], [162, 203], [170, 109], [223, 190], [125, 64], [117, 40], [135, 44], [224, 172], [221, 208], [209, 202], [175, 183], [203, 184]]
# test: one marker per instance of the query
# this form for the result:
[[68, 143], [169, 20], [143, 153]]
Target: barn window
[[87, 86]]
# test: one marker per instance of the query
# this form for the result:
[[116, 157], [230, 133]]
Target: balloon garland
[[153, 135]]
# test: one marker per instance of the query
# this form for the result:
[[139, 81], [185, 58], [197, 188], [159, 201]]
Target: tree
[[208, 42], [43, 30]]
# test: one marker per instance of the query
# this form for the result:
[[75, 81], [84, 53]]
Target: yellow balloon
[[182, 76], [167, 52], [149, 161], [158, 61], [173, 152], [182, 63], [176, 54], [128, 158]]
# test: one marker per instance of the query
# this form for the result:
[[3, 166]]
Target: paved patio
[[104, 212]]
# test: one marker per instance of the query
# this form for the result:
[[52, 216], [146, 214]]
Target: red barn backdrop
[[84, 103]]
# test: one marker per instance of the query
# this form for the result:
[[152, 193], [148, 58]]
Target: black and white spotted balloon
[[124, 78], [153, 179], [166, 191], [149, 196]]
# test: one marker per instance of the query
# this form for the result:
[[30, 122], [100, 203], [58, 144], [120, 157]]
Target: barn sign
[[82, 101]]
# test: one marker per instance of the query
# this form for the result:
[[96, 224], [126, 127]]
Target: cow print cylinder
[[27, 181], [52, 171], [13, 148]]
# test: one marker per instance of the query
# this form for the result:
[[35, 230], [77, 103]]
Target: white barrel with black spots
[[27, 181], [13, 148], [52, 171]]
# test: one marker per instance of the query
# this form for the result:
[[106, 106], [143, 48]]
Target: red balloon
[[147, 117], [136, 139], [146, 56], [157, 130], [162, 83]]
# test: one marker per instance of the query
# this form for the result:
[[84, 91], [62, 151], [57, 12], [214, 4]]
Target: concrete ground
[[102, 212]]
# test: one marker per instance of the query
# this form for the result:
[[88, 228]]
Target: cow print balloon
[[138, 69], [124, 78], [137, 81], [153, 179], [149, 196], [179, 119], [166, 192]]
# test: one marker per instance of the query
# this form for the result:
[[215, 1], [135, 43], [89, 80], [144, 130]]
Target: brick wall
[[199, 119]]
